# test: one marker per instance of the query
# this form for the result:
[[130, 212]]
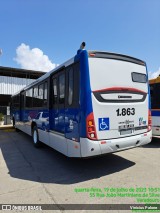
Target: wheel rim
[[35, 136]]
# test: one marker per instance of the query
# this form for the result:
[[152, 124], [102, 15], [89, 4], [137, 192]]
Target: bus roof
[[116, 56]]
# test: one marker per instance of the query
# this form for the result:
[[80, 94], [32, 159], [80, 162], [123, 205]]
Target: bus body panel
[[155, 122], [74, 149], [57, 120], [24, 124], [120, 105], [21, 126], [58, 142], [72, 120], [105, 114], [89, 147], [44, 136], [156, 130]]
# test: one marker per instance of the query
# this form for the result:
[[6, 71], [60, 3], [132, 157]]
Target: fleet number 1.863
[[125, 111]]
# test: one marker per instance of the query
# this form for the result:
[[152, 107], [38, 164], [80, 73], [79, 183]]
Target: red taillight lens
[[149, 120], [90, 129], [92, 54], [90, 126]]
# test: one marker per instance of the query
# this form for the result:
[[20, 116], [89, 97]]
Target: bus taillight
[[149, 120], [92, 54], [90, 125]]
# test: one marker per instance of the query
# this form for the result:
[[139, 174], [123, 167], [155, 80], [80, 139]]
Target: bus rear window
[[139, 77]]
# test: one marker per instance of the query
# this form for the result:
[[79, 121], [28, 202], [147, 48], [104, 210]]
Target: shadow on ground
[[155, 143], [48, 166]]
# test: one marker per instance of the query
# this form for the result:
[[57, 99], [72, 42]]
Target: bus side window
[[40, 95], [70, 86], [61, 89], [55, 92], [35, 97], [16, 102], [45, 94], [22, 100], [29, 98], [76, 68]]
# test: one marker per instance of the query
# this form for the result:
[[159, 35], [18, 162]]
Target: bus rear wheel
[[35, 137]]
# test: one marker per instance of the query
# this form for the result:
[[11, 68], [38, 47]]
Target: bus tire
[[35, 137]]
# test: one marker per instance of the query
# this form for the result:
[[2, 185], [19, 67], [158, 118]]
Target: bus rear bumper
[[93, 148]]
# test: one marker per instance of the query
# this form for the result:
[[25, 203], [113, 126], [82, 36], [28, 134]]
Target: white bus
[[93, 104]]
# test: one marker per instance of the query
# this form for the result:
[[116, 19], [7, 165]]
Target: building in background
[[11, 81]]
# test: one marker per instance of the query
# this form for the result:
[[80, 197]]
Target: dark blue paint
[[155, 113], [57, 120], [72, 121], [85, 90]]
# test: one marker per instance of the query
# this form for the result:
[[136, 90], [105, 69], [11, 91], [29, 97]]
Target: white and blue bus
[[155, 106], [93, 104]]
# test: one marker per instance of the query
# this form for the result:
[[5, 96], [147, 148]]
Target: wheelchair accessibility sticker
[[103, 124]]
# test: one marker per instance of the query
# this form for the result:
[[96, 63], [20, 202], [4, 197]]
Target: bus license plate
[[126, 131]]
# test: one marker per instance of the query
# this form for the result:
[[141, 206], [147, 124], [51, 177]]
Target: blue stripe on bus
[[155, 113], [85, 92], [64, 120]]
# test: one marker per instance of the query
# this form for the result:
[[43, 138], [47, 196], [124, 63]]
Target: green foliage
[[1, 117]]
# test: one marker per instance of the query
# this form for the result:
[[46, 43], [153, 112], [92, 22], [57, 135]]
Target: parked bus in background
[[93, 104], [155, 105]]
